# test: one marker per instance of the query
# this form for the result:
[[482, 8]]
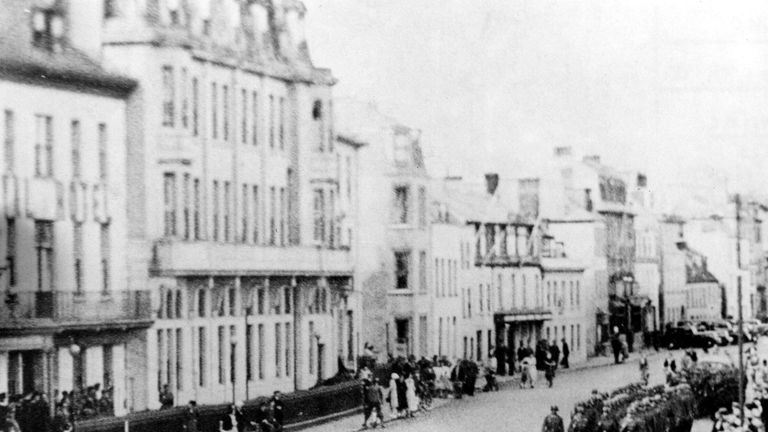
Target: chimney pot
[[491, 183]]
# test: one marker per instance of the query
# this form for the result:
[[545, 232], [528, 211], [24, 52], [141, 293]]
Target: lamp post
[[628, 281]]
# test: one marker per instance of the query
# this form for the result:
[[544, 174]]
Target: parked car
[[689, 337], [721, 329]]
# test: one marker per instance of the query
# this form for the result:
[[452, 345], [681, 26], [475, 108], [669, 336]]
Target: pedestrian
[[553, 422], [549, 369], [555, 351], [191, 417], [720, 424], [392, 395], [566, 354], [166, 398], [278, 407], [402, 396], [470, 377], [615, 345], [521, 355], [228, 422], [644, 374], [372, 398], [410, 396], [262, 419]]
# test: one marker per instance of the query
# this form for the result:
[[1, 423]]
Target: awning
[[523, 315]]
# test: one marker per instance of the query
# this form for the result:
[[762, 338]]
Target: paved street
[[512, 408]]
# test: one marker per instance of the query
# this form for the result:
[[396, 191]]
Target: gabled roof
[[470, 203]]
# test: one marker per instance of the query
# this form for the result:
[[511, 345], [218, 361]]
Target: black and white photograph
[[412, 215]]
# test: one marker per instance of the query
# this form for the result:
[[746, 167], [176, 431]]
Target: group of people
[[31, 412], [730, 420], [546, 357], [268, 417]]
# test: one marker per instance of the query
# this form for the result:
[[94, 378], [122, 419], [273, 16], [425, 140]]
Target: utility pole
[[741, 317]]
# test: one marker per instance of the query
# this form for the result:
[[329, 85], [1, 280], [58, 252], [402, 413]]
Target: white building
[[68, 319], [241, 205]]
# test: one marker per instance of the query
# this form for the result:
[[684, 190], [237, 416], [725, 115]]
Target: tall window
[[184, 99], [402, 267], [222, 354], [44, 249], [43, 146], [271, 121], [256, 213], [76, 145], [272, 216], [168, 96], [423, 271], [225, 111], [47, 29], [260, 334], [169, 200], [245, 216], [197, 203], [311, 347], [317, 116], [78, 254], [249, 352], [319, 216], [195, 106], [278, 349], [255, 120], [282, 216], [103, 168], [422, 207], [282, 123], [214, 112], [187, 212], [227, 211], [331, 218], [10, 250], [105, 261], [243, 116], [215, 215], [288, 346], [401, 204], [8, 141]]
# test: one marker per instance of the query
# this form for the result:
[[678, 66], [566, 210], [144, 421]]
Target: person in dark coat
[[402, 398], [470, 377], [372, 400], [553, 422], [166, 398], [566, 354], [555, 351], [616, 345], [521, 353], [278, 408], [191, 416], [549, 368]]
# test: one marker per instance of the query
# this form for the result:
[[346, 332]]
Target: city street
[[513, 408]]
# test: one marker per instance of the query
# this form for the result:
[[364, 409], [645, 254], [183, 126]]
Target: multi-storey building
[[240, 203], [703, 296], [68, 320], [673, 274], [391, 270], [647, 262]]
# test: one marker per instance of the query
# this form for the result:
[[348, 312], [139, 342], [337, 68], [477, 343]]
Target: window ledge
[[400, 292]]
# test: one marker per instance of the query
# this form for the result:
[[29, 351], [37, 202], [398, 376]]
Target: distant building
[[673, 273], [68, 319], [241, 199], [703, 296]]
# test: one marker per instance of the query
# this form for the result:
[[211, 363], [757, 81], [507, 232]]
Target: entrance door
[[403, 341], [320, 357]]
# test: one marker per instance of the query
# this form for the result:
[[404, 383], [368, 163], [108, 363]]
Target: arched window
[[317, 110]]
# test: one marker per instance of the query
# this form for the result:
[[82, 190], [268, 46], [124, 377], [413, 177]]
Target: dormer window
[[47, 29]]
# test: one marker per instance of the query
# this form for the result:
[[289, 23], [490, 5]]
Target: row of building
[[185, 203]]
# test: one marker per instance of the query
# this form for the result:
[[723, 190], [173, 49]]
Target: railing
[[75, 308]]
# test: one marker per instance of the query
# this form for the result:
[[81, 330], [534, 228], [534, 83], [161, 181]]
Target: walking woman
[[410, 396], [392, 396], [549, 368]]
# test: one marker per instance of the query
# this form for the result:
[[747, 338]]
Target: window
[[196, 198], [227, 211], [271, 121], [311, 347], [103, 162], [282, 216], [436, 282], [43, 146], [261, 350], [10, 253], [402, 265], [169, 201], [168, 96], [214, 112], [249, 352], [401, 204], [47, 29], [244, 232], [480, 293], [488, 297], [319, 216], [110, 10], [187, 213], [215, 199], [232, 354], [256, 213], [222, 355], [282, 123], [571, 294], [179, 359], [525, 293], [331, 218], [8, 141], [76, 145], [184, 99], [78, 256], [440, 336], [243, 116], [195, 107], [423, 271], [317, 116], [288, 346], [105, 259], [201, 302], [423, 336], [330, 126], [549, 294], [255, 114], [287, 299], [225, 112], [44, 249], [499, 293], [272, 215], [422, 207]]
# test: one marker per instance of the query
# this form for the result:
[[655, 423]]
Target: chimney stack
[[563, 152], [642, 180], [491, 183], [592, 158]]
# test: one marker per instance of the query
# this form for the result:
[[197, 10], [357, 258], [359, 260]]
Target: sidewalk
[[352, 420]]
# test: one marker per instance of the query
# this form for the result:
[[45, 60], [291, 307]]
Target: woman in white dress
[[392, 394], [410, 395]]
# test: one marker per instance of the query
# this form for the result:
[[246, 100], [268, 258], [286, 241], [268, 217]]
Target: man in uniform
[[553, 422]]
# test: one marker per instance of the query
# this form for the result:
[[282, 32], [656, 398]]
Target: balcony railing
[[72, 308]]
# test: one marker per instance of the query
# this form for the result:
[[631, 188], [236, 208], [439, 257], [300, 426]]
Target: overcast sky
[[677, 89]]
